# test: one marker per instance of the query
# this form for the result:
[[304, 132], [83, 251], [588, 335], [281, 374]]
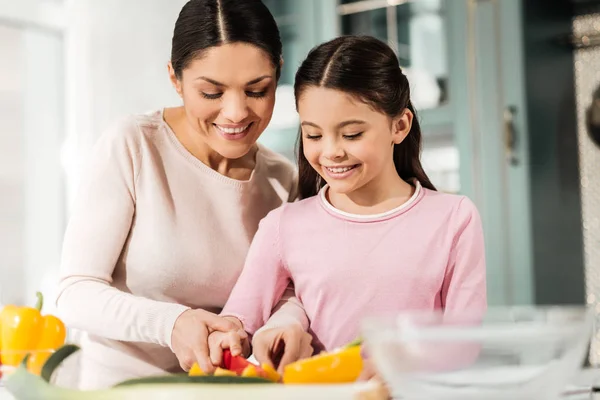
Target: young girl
[[372, 234]]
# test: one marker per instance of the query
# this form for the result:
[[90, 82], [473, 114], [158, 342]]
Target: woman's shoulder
[[129, 130]]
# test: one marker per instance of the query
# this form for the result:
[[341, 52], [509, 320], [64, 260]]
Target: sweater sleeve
[[263, 281], [97, 231], [464, 286], [289, 310]]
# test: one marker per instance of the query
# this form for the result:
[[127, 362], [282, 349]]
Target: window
[[416, 31]]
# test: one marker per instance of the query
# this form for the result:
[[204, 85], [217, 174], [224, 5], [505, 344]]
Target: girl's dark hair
[[368, 69], [203, 24]]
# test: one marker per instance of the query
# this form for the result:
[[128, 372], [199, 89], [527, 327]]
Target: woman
[[171, 202]]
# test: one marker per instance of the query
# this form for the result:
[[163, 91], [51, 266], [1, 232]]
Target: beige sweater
[[153, 232]]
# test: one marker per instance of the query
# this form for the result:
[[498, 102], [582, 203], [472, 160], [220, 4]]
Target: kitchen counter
[[579, 390]]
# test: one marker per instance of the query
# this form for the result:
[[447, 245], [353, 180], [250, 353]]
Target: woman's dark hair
[[367, 69], [203, 24]]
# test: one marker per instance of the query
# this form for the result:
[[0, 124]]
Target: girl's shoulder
[[294, 213], [448, 201], [456, 209]]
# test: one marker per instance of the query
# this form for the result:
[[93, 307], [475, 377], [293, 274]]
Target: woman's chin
[[233, 151]]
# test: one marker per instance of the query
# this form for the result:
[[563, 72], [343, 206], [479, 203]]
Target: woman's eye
[[256, 94], [211, 96]]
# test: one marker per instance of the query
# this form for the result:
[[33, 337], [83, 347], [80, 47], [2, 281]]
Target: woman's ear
[[401, 126], [174, 80]]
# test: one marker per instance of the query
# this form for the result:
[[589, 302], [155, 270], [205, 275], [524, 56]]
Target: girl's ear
[[401, 126]]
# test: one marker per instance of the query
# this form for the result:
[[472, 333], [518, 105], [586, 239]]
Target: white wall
[[11, 165], [116, 64], [31, 179], [43, 128], [40, 13]]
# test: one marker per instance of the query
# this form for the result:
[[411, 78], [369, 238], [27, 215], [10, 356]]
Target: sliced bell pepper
[[339, 366], [272, 374], [239, 366], [25, 330], [250, 371], [196, 370], [224, 372], [236, 364]]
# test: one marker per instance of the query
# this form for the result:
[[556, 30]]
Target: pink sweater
[[426, 254], [153, 233]]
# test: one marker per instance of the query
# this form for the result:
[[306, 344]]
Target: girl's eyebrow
[[340, 125]]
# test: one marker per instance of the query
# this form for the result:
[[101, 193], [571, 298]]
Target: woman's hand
[[281, 346], [236, 341], [189, 339]]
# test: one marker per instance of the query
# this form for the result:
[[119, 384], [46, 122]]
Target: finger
[[216, 351], [202, 352], [216, 323], [291, 352], [367, 373], [306, 349], [261, 350], [186, 363], [234, 342], [242, 334]]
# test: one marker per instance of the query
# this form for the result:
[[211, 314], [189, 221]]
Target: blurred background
[[506, 92]]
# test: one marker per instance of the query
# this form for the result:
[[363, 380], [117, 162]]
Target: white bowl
[[512, 353]]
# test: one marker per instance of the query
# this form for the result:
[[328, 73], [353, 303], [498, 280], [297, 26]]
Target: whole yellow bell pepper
[[339, 366], [25, 330]]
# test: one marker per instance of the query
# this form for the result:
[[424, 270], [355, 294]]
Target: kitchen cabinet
[[494, 94]]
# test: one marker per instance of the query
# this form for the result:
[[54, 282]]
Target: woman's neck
[[376, 197], [193, 142]]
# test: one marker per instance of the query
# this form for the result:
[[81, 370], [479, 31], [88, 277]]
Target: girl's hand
[[281, 346], [369, 373]]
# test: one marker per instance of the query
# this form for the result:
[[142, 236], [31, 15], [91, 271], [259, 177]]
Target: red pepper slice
[[238, 364]]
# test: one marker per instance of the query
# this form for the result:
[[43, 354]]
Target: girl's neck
[[376, 197]]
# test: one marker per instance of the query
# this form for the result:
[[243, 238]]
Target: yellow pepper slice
[[196, 370], [272, 374], [340, 366], [224, 372], [250, 372]]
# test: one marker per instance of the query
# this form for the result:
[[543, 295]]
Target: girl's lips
[[341, 172]]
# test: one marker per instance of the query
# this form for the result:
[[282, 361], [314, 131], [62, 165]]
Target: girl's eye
[[353, 137], [313, 137]]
